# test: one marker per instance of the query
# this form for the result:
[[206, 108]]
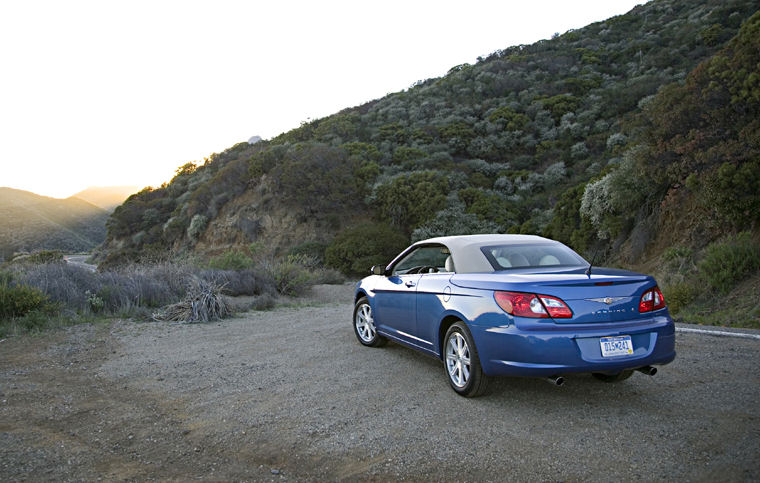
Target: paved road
[[80, 261], [290, 395]]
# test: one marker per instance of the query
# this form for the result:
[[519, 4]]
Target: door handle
[[410, 284]]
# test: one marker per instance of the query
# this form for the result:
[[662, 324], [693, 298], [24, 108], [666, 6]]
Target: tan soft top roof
[[465, 249]]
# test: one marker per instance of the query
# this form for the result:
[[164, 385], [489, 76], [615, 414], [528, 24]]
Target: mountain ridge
[[106, 197], [33, 222]]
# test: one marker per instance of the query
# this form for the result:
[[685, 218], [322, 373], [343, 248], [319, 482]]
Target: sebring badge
[[606, 300]]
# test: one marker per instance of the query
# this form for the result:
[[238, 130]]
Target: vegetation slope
[[634, 140]]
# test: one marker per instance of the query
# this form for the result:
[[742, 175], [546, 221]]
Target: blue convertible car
[[514, 305]]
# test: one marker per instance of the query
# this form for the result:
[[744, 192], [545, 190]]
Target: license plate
[[616, 346]]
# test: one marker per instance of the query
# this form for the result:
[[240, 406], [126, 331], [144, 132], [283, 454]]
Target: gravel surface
[[290, 394]]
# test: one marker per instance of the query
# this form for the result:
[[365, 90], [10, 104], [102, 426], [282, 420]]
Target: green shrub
[[197, 226], [679, 295], [289, 275], [95, 302], [231, 260], [731, 190], [728, 262], [33, 321], [678, 264], [312, 249], [454, 221], [676, 252], [356, 249], [17, 300], [409, 200]]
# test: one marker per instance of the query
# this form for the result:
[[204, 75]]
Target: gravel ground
[[290, 394]]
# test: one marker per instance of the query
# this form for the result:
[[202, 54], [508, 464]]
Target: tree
[[411, 199], [354, 250]]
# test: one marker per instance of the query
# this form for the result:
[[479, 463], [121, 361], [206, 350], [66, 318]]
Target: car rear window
[[534, 255]]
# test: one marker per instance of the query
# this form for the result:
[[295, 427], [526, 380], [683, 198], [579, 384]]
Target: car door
[[396, 296], [395, 305]]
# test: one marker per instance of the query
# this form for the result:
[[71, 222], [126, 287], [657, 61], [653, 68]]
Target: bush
[[356, 249], [454, 221], [411, 199], [231, 260], [290, 277], [679, 295], [263, 302], [728, 262], [17, 300], [239, 282], [197, 226], [607, 202], [95, 302], [311, 249], [731, 190]]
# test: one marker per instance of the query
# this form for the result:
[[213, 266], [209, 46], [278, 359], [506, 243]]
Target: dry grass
[[135, 290], [203, 303]]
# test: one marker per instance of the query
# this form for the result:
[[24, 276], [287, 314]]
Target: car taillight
[[532, 305], [651, 300]]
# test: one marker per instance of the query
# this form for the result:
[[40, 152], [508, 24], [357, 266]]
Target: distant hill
[[32, 222], [106, 197]]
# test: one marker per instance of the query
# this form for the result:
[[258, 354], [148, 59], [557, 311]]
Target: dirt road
[[290, 395], [80, 261]]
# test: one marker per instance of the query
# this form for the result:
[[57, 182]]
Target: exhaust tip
[[556, 380], [648, 370]]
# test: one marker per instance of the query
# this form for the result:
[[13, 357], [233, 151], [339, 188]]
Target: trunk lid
[[607, 295]]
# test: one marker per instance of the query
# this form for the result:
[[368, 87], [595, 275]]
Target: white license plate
[[616, 346]]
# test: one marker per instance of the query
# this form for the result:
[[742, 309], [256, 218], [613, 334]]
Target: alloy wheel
[[458, 359], [365, 324]]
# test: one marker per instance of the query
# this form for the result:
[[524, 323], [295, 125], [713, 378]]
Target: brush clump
[[203, 302]]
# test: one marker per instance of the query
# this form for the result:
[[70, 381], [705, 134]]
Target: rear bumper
[[557, 350]]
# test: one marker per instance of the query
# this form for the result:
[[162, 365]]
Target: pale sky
[[101, 93]]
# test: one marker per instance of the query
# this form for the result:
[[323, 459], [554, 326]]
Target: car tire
[[620, 376], [461, 362], [364, 325]]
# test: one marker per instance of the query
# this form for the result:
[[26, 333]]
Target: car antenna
[[593, 259]]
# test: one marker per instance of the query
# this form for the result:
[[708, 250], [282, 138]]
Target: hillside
[[597, 137], [32, 222], [106, 197]]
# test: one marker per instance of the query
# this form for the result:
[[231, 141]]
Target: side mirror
[[378, 270]]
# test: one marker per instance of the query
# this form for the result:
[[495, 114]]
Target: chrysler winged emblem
[[606, 300]]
